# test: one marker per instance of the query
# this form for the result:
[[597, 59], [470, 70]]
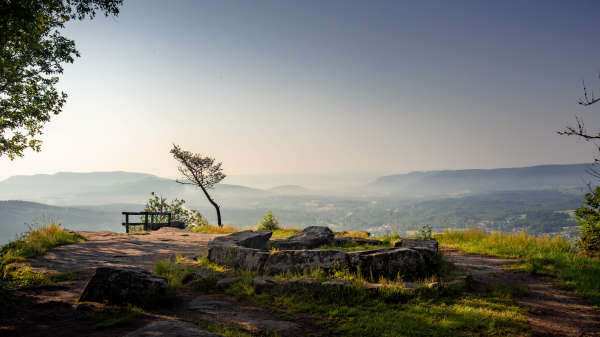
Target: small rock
[[434, 284], [226, 281], [264, 282], [303, 280], [337, 283]]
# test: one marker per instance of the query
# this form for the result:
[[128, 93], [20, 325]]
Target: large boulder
[[309, 238], [389, 262], [360, 241], [299, 260], [248, 239], [228, 253], [120, 285]]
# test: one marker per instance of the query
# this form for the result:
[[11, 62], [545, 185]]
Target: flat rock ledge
[[120, 285]]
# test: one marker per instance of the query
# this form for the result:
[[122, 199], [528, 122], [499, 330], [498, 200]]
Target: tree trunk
[[214, 204]]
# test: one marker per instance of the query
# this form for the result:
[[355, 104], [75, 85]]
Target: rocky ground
[[49, 311]]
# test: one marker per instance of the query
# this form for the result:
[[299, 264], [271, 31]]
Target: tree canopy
[[32, 52]]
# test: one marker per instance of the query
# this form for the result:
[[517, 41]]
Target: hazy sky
[[320, 86]]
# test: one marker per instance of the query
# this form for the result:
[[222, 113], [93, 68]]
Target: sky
[[324, 86]]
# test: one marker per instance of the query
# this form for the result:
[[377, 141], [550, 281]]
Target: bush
[[589, 221], [268, 223], [192, 218]]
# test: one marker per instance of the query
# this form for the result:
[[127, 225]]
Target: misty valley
[[397, 204]]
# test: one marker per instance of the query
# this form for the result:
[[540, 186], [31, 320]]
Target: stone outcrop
[[240, 250], [309, 238], [387, 262], [411, 243], [427, 248], [299, 260], [362, 241], [120, 285], [228, 253], [248, 239]]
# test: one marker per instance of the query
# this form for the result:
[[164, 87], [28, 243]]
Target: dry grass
[[356, 234], [217, 230]]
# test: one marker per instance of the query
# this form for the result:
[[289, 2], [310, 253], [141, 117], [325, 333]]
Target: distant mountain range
[[100, 188], [477, 181]]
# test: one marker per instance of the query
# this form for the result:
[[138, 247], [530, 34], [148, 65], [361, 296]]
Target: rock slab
[[120, 285], [299, 260], [387, 262], [309, 238], [248, 239], [411, 243], [362, 241], [171, 328]]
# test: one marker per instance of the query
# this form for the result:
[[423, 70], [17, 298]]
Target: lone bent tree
[[199, 171]]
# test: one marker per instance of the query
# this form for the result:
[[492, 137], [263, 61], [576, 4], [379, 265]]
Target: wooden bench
[[147, 225]]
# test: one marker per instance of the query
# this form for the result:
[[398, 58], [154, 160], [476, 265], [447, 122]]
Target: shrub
[[192, 218], [268, 222], [589, 221]]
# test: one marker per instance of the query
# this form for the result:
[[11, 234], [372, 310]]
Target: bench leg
[[126, 228]]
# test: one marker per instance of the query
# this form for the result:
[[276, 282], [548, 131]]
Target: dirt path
[[551, 312]]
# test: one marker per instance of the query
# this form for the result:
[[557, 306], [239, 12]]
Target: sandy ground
[[49, 311]]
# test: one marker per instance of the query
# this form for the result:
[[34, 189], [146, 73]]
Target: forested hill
[[476, 181]]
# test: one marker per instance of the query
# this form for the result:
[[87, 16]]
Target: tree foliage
[[589, 221], [199, 171], [32, 52], [177, 209], [268, 223]]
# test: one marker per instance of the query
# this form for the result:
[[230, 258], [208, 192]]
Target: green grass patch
[[544, 255], [394, 311], [64, 277], [36, 242]]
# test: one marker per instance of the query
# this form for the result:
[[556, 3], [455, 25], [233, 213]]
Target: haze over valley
[[397, 202]]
